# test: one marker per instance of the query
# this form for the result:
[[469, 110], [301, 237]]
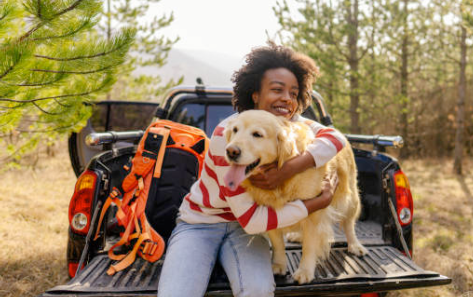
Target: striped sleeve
[[328, 142]]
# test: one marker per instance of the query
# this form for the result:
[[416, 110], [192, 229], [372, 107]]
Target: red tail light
[[369, 295], [80, 206], [404, 203], [73, 268]]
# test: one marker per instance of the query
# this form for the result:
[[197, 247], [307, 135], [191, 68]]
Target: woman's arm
[[258, 218]]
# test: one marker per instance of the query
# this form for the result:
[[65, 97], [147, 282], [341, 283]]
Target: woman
[[216, 223]]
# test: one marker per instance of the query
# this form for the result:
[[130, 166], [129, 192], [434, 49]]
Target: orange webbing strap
[[145, 246], [164, 132], [112, 197], [126, 235], [130, 257], [154, 248]]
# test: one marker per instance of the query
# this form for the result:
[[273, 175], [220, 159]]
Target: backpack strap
[[112, 197], [164, 132]]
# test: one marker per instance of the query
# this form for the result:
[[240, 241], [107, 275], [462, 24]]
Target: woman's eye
[[235, 129], [257, 135]]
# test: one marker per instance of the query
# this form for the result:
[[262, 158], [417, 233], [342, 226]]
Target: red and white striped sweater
[[209, 201]]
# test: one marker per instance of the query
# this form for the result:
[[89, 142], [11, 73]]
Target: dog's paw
[[279, 269], [303, 276], [357, 249], [294, 237]]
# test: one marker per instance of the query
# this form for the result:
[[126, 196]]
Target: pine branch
[[51, 97], [35, 28], [71, 33], [81, 57], [73, 72], [47, 83], [45, 111], [39, 8], [74, 5], [7, 71], [61, 104]]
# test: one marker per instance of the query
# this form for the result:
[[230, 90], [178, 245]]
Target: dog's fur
[[260, 135]]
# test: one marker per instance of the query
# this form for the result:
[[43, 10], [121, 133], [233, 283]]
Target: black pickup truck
[[385, 226]]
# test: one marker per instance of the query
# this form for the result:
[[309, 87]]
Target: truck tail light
[[73, 268], [404, 203], [80, 207]]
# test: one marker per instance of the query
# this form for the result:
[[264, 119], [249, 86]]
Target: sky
[[232, 27]]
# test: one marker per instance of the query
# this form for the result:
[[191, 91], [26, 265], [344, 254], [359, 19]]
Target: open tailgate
[[384, 268]]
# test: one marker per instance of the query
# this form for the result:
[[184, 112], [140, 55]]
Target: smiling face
[[278, 93]]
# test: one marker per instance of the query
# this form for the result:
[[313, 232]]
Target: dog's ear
[[286, 145], [228, 130]]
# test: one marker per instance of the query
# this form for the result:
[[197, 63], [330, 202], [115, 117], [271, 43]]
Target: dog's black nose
[[233, 152]]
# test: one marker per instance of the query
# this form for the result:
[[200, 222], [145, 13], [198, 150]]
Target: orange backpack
[[162, 140]]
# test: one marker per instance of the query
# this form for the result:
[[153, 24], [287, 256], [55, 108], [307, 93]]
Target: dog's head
[[255, 138]]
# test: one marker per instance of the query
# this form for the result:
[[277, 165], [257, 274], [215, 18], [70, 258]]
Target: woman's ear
[[255, 97]]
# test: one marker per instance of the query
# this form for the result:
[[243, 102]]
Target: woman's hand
[[271, 176], [329, 185]]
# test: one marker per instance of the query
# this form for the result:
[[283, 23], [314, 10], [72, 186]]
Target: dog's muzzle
[[233, 152]]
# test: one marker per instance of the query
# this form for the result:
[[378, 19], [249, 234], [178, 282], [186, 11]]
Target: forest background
[[388, 67]]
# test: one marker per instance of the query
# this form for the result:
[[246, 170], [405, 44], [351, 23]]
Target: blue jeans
[[194, 249]]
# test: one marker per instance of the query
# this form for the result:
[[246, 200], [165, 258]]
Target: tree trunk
[[404, 83], [457, 165], [352, 20], [109, 33]]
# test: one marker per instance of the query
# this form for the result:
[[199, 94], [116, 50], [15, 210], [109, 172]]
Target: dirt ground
[[33, 229]]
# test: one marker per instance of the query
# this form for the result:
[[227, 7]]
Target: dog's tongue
[[234, 176]]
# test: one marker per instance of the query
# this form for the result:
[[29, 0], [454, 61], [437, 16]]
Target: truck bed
[[383, 268]]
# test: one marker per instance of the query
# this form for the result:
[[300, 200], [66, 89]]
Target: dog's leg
[[294, 236], [348, 225], [279, 252], [305, 272]]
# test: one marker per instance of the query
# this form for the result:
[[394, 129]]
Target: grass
[[33, 229], [443, 218]]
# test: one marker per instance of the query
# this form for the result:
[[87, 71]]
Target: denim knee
[[257, 289]]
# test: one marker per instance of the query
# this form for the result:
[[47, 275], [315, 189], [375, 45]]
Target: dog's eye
[[235, 129], [257, 134]]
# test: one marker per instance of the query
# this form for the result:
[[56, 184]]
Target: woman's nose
[[286, 96]]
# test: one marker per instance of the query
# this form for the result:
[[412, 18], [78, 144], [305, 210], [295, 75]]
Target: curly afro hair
[[247, 79]]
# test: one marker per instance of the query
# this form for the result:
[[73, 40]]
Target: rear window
[[202, 115], [122, 116]]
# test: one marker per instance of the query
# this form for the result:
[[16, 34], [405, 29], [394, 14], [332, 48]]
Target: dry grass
[[443, 217], [33, 229]]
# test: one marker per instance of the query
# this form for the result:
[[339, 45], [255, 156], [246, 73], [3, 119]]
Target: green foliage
[[149, 49], [406, 64], [51, 63]]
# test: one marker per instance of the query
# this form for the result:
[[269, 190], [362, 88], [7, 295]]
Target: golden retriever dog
[[257, 137]]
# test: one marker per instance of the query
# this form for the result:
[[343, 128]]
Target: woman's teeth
[[282, 110]]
